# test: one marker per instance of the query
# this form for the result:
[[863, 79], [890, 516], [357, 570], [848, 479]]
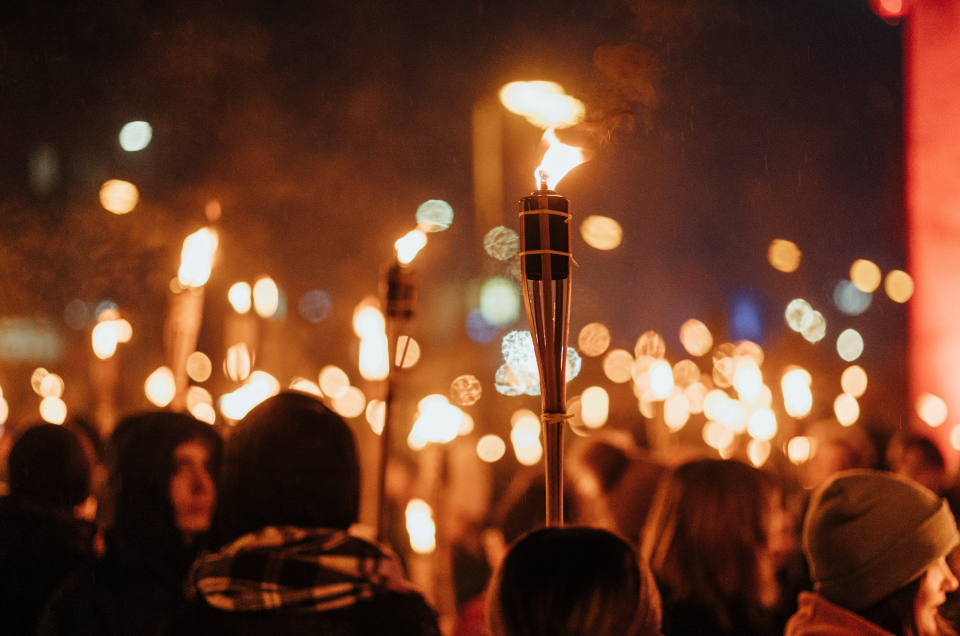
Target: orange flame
[[557, 161]]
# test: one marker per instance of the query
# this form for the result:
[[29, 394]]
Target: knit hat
[[869, 533]]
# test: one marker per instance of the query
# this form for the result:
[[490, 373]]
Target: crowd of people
[[187, 534]]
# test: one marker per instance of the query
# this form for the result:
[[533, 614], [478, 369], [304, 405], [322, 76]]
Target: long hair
[[706, 541], [895, 612], [572, 581]]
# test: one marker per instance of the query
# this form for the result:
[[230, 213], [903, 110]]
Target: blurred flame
[[557, 161], [196, 259], [544, 104], [258, 388], [409, 245], [105, 339], [160, 387], [420, 526]]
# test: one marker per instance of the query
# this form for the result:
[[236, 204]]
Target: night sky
[[716, 127]]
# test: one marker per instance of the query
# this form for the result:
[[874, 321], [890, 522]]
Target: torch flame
[[544, 104], [196, 259], [409, 245], [557, 161]]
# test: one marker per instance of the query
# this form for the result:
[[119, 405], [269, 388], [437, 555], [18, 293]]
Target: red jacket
[[816, 616]]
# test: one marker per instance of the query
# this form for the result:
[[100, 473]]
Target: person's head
[[48, 465], [290, 462], [709, 538], [876, 545], [920, 459], [162, 473], [570, 581]]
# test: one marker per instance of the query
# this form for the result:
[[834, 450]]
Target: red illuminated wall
[[932, 72]]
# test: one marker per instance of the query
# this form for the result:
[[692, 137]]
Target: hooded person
[[162, 496], [291, 491], [42, 541], [876, 544]]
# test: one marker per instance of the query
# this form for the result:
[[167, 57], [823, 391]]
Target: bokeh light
[[798, 314], [467, 425], [119, 196], [650, 344], [351, 403], [160, 387], [239, 296], [525, 437], [53, 410], [198, 395], [374, 357], [899, 286], [797, 398], [333, 381], [409, 245], [420, 527], [850, 345], [260, 386], [199, 366], [466, 390], [676, 411], [854, 380], [851, 300], [716, 435], [501, 243], [306, 386], [435, 214], [499, 301], [954, 437], [266, 297], [376, 413], [544, 104], [315, 306], [196, 258], [799, 449], [238, 362], [932, 409], [685, 373], [758, 451], [204, 412], [51, 386], [696, 338], [784, 255], [491, 448], [762, 424], [135, 136], [661, 379], [865, 275], [817, 329], [748, 381], [4, 413], [846, 409], [104, 338], [601, 232], [696, 393], [36, 378], [478, 329], [594, 339], [408, 352], [595, 407]]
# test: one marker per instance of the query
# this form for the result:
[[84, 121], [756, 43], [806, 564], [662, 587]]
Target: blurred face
[[938, 580], [192, 492]]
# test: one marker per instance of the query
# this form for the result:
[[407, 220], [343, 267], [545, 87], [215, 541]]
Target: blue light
[[315, 306], [479, 330]]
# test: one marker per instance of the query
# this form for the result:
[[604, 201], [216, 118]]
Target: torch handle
[[553, 441]]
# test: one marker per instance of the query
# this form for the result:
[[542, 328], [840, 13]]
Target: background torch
[[545, 271]]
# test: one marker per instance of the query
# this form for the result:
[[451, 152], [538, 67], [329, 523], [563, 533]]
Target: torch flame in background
[[196, 260], [408, 246], [557, 161], [544, 104]]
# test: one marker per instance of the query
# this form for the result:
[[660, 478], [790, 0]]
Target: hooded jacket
[[138, 584], [816, 616]]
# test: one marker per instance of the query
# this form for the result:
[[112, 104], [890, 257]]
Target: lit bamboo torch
[[398, 288], [545, 269], [186, 307]]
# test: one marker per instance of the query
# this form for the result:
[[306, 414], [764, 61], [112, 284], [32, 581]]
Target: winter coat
[[817, 616], [40, 546]]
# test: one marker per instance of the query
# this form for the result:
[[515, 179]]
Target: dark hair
[[706, 540], [896, 614], [572, 581], [48, 465], [290, 462], [141, 461]]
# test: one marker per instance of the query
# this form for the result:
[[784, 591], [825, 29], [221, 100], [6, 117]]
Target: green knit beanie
[[868, 533]]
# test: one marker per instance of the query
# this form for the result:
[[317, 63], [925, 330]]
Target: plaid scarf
[[306, 569]]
